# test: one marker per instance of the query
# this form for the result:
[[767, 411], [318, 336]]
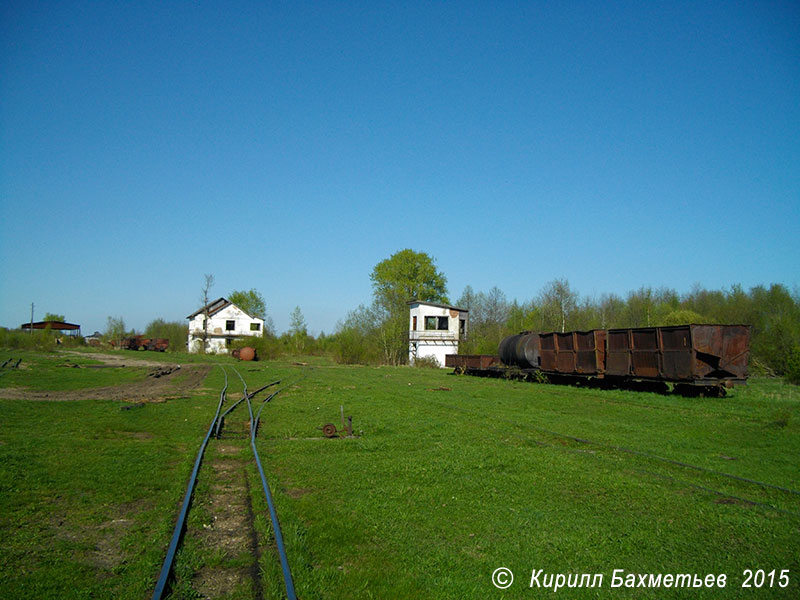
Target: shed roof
[[57, 325], [410, 302]]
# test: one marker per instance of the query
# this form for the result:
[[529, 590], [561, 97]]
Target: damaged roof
[[213, 307], [216, 306]]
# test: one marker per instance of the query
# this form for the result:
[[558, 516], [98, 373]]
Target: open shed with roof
[[68, 328]]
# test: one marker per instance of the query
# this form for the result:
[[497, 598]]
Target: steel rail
[[614, 447], [276, 526], [166, 569], [667, 460], [717, 492], [239, 401]]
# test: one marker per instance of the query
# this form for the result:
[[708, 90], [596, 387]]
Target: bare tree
[[209, 283], [115, 330], [557, 302], [298, 329]]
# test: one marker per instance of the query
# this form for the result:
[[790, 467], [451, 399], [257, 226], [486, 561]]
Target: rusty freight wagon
[[139, 342], [694, 358], [689, 354], [462, 362]]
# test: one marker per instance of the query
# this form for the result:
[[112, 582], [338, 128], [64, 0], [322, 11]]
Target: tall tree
[[467, 299], [557, 302], [408, 275], [250, 302], [298, 329], [115, 329], [204, 298], [53, 317], [470, 301], [609, 311], [640, 308], [404, 276], [174, 331]]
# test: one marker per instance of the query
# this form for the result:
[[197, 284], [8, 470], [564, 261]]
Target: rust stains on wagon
[[696, 355]]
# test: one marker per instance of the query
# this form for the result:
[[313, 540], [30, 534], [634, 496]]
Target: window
[[230, 325], [228, 342], [462, 326], [414, 325], [436, 323], [255, 326]]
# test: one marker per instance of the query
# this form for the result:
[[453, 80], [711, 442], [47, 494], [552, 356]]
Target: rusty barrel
[[247, 353]]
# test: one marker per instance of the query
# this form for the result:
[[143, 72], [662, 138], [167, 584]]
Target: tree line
[[773, 313], [378, 333]]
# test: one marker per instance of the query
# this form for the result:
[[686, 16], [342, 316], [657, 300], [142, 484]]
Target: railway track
[[215, 431], [749, 487]]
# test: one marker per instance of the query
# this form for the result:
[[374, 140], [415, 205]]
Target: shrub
[[793, 366], [427, 362], [267, 347], [42, 340], [177, 332]]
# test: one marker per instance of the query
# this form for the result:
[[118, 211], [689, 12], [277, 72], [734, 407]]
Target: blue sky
[[290, 147]]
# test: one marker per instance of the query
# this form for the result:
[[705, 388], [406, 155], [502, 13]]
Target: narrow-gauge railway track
[[214, 431]]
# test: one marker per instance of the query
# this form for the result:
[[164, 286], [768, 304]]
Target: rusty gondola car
[[140, 342], [694, 358]]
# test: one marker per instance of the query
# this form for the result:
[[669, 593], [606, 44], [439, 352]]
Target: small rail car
[[695, 359], [139, 342]]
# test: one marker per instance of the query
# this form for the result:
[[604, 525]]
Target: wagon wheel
[[329, 430]]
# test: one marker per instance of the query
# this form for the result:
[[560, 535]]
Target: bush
[[427, 362], [793, 366], [176, 332], [42, 340], [266, 347]]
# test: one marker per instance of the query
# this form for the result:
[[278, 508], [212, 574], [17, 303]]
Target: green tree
[[709, 304], [557, 302], [776, 327], [357, 338], [408, 275], [115, 329], [176, 332], [250, 302], [404, 276], [298, 329], [54, 317], [683, 317], [793, 366]]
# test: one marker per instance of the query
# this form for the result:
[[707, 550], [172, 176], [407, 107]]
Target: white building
[[226, 322], [434, 330]]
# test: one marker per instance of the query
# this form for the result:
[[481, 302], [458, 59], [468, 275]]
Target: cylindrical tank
[[247, 353], [520, 350]]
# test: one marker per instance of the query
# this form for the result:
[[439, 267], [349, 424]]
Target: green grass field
[[447, 479]]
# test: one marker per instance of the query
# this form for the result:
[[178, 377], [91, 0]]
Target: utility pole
[[31, 329]]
